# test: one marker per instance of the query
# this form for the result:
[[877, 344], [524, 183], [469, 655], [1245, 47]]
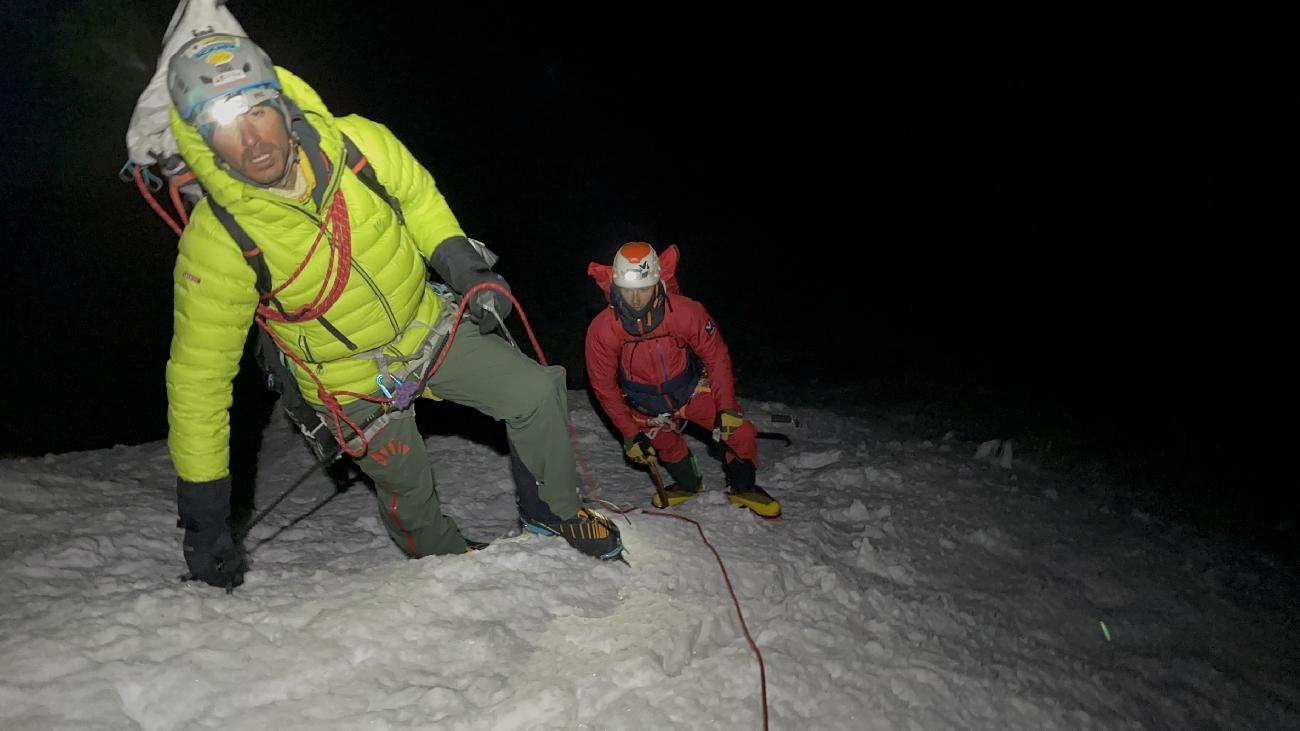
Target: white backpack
[[149, 140]]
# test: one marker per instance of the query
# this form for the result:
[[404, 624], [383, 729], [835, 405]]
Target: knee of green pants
[[538, 392]]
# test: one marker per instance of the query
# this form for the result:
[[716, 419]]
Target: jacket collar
[[311, 125]]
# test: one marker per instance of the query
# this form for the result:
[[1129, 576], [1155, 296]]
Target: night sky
[[1023, 227]]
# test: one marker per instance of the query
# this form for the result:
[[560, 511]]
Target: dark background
[[1040, 228]]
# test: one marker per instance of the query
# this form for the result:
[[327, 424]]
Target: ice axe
[[717, 437], [783, 419], [774, 418], [653, 464]]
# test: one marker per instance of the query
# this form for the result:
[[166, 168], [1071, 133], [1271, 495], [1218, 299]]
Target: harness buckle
[[311, 433], [326, 451], [663, 421]]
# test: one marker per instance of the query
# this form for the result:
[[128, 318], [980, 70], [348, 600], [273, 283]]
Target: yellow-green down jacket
[[216, 292]]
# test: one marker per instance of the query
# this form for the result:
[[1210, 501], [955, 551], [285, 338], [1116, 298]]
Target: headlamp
[[223, 111], [638, 277]]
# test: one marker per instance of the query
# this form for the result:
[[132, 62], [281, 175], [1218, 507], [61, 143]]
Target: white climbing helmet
[[636, 266]]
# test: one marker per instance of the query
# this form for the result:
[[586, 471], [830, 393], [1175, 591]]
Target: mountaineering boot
[[676, 496], [742, 491], [472, 546], [688, 482], [757, 500], [589, 532]]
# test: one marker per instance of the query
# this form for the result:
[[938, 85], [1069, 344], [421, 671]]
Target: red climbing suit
[[655, 369]]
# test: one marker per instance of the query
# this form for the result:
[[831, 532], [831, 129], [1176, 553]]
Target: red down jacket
[[658, 362]]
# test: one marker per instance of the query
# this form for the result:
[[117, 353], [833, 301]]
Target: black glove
[[210, 552], [639, 449], [462, 266]]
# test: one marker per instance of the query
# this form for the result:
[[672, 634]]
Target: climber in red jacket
[[656, 360]]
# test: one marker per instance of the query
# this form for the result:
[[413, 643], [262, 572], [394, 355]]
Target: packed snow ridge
[[937, 583]]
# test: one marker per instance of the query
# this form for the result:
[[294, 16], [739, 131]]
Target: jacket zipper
[[306, 349], [388, 310]]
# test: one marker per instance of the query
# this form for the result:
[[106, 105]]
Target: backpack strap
[[366, 173], [252, 254]]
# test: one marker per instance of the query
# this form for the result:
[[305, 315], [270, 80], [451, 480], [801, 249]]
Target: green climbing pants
[[488, 374]]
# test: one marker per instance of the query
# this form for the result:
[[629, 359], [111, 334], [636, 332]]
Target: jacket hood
[[604, 273]]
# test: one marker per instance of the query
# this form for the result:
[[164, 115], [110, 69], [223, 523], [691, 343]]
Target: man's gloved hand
[[463, 264], [490, 299], [210, 552], [728, 421], [638, 448]]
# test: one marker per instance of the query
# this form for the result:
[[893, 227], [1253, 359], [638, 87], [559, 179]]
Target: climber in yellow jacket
[[348, 303]]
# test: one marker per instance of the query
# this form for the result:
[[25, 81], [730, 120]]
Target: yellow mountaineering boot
[[757, 500], [676, 496], [742, 491], [688, 483]]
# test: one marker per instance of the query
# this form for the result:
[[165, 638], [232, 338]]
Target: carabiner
[[379, 381]]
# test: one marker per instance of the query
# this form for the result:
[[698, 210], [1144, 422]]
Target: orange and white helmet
[[636, 266]]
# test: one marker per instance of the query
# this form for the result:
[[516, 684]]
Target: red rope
[[762, 671], [460, 313], [174, 186], [153, 203], [588, 481], [340, 249], [541, 358], [594, 492], [329, 399]]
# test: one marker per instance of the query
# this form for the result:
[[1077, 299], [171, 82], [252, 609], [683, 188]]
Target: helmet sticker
[[220, 57], [226, 78], [211, 44], [639, 271]]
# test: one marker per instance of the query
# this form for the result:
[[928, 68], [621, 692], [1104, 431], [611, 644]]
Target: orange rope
[[153, 203], [174, 187]]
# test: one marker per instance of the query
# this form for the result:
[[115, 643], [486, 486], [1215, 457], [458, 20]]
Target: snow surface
[[912, 585]]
